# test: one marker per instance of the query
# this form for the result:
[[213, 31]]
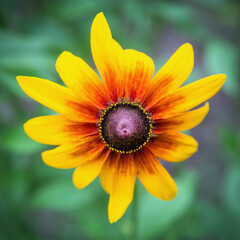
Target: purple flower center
[[124, 123], [125, 127]]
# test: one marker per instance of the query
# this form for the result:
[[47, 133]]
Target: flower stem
[[135, 214]]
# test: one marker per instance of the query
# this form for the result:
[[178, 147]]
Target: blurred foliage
[[39, 202]]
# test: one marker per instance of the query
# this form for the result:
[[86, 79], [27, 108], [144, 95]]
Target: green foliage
[[155, 217], [40, 202], [221, 56], [61, 195], [231, 190], [16, 141]]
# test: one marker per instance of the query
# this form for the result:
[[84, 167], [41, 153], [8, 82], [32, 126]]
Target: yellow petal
[[107, 172], [183, 122], [172, 75], [72, 155], [56, 130], [86, 173], [79, 76], [173, 147], [139, 69], [58, 98], [153, 176], [189, 96], [108, 57], [122, 188]]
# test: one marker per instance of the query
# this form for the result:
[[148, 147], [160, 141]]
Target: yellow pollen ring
[[143, 111]]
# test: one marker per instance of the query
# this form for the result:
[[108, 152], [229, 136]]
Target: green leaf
[[231, 142], [156, 216], [174, 13], [221, 57], [61, 195], [76, 9], [231, 190], [16, 141], [8, 83]]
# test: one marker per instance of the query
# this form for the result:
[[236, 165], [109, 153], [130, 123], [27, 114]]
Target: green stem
[[135, 214]]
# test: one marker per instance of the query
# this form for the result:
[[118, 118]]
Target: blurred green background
[[40, 202]]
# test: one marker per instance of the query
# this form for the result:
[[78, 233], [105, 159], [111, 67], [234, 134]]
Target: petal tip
[[224, 76], [23, 82], [20, 79], [110, 220], [61, 58], [189, 49], [220, 79], [100, 17], [44, 158], [221, 76], [26, 127], [173, 193], [64, 53], [189, 45], [75, 183], [75, 180], [100, 14], [207, 107], [113, 218]]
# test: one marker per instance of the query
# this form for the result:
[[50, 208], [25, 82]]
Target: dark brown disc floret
[[125, 127]]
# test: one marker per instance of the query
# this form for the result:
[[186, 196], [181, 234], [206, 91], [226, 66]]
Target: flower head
[[119, 126]]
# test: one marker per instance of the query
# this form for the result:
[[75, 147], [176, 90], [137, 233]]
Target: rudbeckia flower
[[119, 127]]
